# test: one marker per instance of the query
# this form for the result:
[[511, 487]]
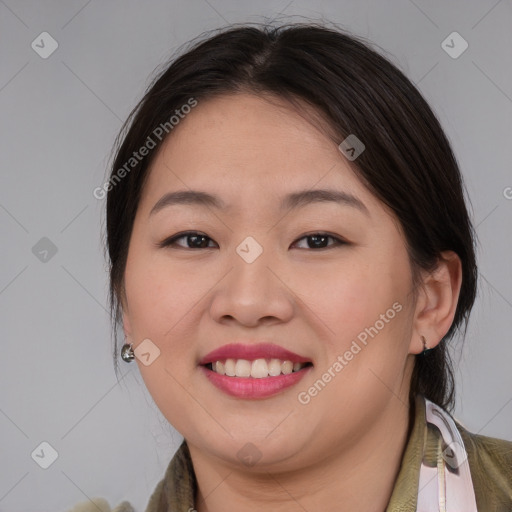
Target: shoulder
[[101, 505], [490, 462]]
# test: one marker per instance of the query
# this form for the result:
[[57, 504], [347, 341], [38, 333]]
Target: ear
[[436, 304]]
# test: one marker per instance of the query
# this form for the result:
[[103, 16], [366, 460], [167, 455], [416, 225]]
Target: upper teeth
[[258, 369]]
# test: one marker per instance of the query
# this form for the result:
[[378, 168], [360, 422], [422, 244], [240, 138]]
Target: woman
[[290, 254]]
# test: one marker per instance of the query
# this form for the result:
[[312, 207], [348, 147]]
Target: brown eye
[[193, 240], [320, 241]]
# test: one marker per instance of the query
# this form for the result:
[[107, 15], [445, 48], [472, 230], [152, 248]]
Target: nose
[[253, 293]]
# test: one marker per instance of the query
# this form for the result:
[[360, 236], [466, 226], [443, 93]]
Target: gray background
[[59, 117]]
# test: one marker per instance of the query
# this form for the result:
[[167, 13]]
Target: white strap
[[447, 487]]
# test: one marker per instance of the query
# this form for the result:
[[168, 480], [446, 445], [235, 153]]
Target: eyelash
[[171, 241]]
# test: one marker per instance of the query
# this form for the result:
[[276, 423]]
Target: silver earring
[[425, 346], [127, 353]]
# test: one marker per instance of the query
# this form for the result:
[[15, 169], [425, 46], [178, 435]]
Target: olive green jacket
[[490, 462]]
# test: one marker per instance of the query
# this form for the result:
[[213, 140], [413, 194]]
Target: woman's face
[[257, 272]]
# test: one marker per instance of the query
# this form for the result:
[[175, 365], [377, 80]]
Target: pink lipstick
[[253, 371]]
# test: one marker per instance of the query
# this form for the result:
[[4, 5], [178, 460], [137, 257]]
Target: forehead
[[241, 146]]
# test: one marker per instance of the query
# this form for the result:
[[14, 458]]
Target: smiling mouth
[[257, 368]]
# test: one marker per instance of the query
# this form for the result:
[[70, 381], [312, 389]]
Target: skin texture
[[341, 450]]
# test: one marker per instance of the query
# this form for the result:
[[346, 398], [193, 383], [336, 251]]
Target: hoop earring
[[127, 354], [426, 349]]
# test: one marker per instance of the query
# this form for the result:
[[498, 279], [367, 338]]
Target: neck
[[360, 477]]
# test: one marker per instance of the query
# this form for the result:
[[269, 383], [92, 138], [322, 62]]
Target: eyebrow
[[291, 201]]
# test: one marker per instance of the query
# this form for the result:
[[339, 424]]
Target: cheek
[[158, 296], [374, 311], [365, 354], [352, 298], [159, 300], [368, 315]]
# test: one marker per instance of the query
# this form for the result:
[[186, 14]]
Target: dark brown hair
[[408, 162]]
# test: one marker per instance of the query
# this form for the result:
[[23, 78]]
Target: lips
[[253, 371]]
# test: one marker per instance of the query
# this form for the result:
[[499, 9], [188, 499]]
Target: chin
[[258, 453]]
